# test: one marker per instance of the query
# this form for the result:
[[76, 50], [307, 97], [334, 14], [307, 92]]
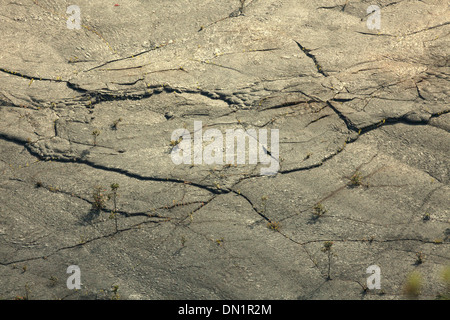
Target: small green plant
[[446, 276], [319, 210], [115, 289], [183, 241], [114, 196], [115, 124], [356, 179], [174, 143], [413, 285], [99, 198], [446, 279], [114, 187], [327, 250], [419, 258], [426, 216], [327, 246], [82, 240], [95, 134], [53, 281], [27, 293], [273, 225]]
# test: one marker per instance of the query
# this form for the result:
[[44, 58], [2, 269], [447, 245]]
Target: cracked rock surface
[[364, 144]]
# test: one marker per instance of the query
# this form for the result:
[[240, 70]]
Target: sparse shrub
[[327, 249], [114, 188], [27, 294], [99, 198], [53, 281], [183, 240], [413, 285], [174, 143], [273, 225], [419, 258], [446, 278], [319, 210], [115, 124], [95, 134], [356, 179], [115, 289]]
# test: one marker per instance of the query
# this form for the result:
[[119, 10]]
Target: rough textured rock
[[364, 145]]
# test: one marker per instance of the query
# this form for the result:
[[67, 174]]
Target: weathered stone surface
[[364, 145]]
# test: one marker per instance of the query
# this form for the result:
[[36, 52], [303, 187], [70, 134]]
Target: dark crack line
[[82, 243], [387, 121], [140, 177], [25, 76], [261, 214], [190, 215], [374, 240], [341, 7], [418, 92], [39, 184], [315, 165], [317, 119], [221, 66], [375, 34], [100, 95], [266, 218], [126, 58], [438, 114], [347, 121], [108, 169], [131, 83], [286, 104], [360, 131], [370, 240], [236, 13], [429, 28], [314, 59]]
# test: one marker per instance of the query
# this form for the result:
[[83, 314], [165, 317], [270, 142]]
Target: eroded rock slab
[[355, 122]]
